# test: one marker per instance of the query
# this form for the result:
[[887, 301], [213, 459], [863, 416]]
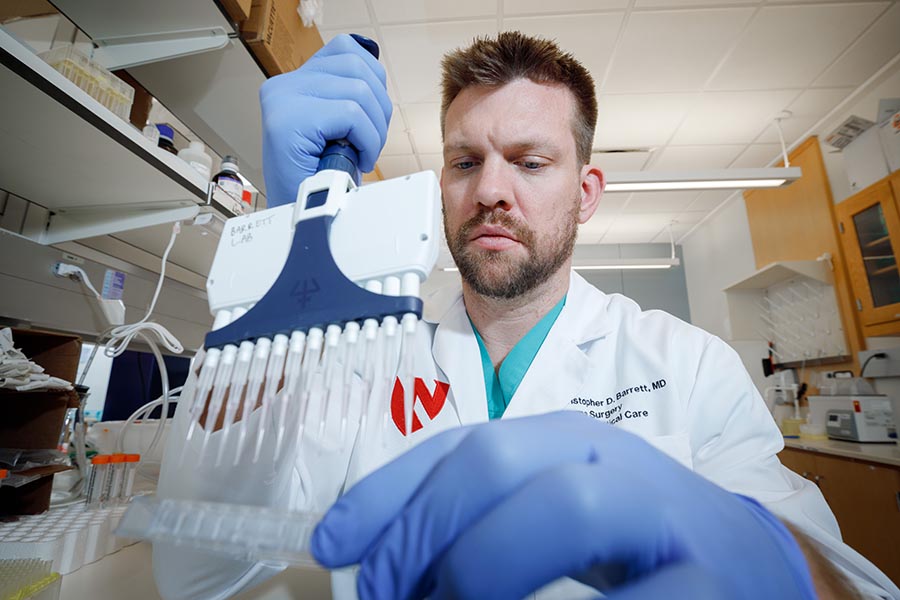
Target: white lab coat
[[682, 389]]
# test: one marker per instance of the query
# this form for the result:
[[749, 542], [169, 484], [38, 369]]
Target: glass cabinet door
[[879, 258]]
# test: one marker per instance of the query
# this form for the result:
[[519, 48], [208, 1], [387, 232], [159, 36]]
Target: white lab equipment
[[320, 293]]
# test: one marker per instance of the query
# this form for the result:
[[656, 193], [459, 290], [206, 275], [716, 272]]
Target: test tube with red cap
[[99, 467], [131, 465], [3, 473], [114, 476]]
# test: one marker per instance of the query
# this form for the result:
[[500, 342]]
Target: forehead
[[517, 109]]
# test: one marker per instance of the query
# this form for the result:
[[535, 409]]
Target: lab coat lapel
[[561, 369], [456, 353]]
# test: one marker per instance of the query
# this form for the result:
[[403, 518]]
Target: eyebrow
[[519, 146]]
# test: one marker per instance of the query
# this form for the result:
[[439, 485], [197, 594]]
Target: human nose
[[493, 187]]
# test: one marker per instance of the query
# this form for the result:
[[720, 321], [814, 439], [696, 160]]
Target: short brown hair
[[513, 55]]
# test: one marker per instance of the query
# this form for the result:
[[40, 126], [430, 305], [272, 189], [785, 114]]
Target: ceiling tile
[[338, 14], [405, 11], [731, 117], [672, 51], [614, 162], [531, 7], [757, 156], [398, 166], [636, 228], [414, 52], [710, 200], [874, 49], [677, 229], [397, 138], [655, 202], [590, 38], [611, 203], [424, 122], [639, 121], [690, 3], [592, 231], [684, 158], [435, 162], [807, 110], [788, 46]]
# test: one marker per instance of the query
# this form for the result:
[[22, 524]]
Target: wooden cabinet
[[865, 498], [869, 225]]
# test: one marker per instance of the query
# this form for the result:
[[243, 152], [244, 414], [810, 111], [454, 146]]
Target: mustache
[[496, 217]]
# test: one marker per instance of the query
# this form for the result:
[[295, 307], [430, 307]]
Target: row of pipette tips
[[307, 363]]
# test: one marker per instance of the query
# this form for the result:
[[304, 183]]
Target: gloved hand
[[338, 93], [500, 509]]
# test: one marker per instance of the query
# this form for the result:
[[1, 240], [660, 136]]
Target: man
[[649, 483]]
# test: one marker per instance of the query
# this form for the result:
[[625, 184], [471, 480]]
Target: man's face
[[511, 185]]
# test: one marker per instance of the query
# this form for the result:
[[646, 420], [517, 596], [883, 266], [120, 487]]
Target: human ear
[[592, 184]]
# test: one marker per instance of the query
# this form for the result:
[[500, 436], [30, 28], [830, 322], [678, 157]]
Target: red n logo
[[431, 402]]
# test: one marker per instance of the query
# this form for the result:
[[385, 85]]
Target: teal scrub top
[[501, 385]]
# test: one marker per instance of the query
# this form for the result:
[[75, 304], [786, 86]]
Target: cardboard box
[[58, 353], [17, 9], [32, 498], [238, 10], [277, 37], [34, 420]]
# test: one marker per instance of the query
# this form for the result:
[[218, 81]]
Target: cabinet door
[[865, 500], [800, 462], [870, 234]]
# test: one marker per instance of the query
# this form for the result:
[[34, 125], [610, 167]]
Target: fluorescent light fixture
[[629, 263], [720, 179], [614, 264]]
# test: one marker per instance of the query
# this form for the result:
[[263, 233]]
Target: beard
[[498, 274]]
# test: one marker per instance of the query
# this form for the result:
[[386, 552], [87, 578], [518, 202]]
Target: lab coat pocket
[[677, 446]]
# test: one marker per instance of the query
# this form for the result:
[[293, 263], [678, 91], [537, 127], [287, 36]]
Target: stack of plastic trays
[[252, 533], [68, 537], [28, 579], [98, 82]]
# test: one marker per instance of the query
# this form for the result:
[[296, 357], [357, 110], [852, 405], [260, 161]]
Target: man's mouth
[[493, 237]]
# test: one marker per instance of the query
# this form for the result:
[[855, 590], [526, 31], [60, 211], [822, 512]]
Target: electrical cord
[[122, 335], [878, 355]]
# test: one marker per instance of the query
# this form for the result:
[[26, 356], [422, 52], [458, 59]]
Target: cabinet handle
[[818, 478], [804, 474], [898, 500]]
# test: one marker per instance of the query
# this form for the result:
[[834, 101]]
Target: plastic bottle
[[228, 179], [196, 156], [113, 482], [131, 464], [166, 138], [99, 465]]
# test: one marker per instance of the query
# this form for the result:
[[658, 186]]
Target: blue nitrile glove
[[500, 509], [338, 93]]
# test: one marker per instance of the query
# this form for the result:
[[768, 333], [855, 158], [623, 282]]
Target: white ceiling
[[694, 83]]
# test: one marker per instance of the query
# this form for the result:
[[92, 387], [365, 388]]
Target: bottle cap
[[197, 146], [230, 163], [166, 132], [3, 473], [117, 458], [100, 459], [132, 458]]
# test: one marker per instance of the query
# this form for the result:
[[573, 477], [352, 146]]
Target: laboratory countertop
[[887, 454], [127, 574]]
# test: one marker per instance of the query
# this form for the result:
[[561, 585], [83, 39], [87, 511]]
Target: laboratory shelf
[[67, 153], [213, 91]]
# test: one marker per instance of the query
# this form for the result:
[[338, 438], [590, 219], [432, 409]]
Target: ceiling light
[[720, 179], [629, 263]]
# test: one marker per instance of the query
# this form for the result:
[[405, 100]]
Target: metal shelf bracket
[[78, 224], [131, 51]]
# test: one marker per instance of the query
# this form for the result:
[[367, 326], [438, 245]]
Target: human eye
[[531, 164], [464, 165]]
